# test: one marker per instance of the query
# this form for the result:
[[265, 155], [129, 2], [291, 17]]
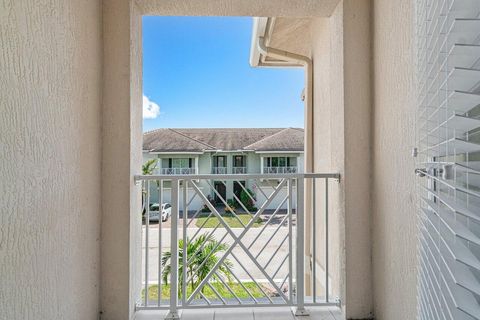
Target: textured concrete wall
[[357, 113], [254, 8], [50, 155], [394, 217], [323, 162], [342, 134], [121, 160]]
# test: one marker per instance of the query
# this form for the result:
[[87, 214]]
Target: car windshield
[[166, 206]]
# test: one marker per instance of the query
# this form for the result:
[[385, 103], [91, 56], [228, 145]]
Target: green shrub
[[231, 205], [246, 199]]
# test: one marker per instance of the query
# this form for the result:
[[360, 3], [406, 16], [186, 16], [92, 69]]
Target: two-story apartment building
[[224, 151]]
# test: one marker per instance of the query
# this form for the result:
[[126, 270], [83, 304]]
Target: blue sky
[[196, 74]]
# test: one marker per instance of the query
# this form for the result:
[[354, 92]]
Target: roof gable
[[170, 140], [224, 139], [289, 139]]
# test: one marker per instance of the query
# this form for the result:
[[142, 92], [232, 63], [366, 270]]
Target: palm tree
[[149, 167], [202, 257]]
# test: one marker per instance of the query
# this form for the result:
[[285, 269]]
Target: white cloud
[[151, 110]]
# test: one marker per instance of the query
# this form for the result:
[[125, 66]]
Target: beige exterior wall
[[342, 108], [121, 160], [393, 189], [382, 156], [54, 167], [50, 141], [357, 126]]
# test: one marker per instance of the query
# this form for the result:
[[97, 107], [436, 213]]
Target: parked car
[[154, 212]]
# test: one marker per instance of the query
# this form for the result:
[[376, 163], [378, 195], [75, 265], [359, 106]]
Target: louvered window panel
[[448, 145]]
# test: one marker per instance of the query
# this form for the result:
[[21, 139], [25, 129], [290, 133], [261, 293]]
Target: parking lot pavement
[[276, 247]]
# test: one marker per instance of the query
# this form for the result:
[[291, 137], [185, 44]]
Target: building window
[[278, 162], [239, 161], [279, 165], [180, 163], [220, 161]]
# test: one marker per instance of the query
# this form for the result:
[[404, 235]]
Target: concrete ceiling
[[291, 34], [253, 8]]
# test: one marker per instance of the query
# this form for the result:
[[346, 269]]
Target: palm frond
[[149, 167], [202, 256]]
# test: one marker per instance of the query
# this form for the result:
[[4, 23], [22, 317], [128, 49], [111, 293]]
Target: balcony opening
[[229, 216]]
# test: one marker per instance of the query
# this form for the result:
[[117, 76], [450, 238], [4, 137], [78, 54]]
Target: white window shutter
[[448, 134]]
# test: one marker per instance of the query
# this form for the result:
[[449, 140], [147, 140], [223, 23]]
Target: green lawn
[[208, 292], [229, 219]]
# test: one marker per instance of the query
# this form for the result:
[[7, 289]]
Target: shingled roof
[[289, 139], [226, 139]]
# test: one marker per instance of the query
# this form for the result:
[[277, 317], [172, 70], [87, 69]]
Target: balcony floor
[[280, 313]]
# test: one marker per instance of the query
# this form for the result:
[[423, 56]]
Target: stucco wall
[[50, 142], [254, 8], [253, 162], [204, 163], [50, 120], [342, 108], [357, 114], [121, 160], [394, 217], [328, 144]]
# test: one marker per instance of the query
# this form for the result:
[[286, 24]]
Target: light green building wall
[[204, 163]]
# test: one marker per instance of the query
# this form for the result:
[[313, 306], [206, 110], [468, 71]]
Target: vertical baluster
[[326, 240], [160, 202], [173, 314], [314, 240], [300, 270], [185, 257], [290, 242], [147, 226]]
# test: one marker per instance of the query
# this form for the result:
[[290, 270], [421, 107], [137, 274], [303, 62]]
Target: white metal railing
[[219, 170], [178, 171], [223, 266], [279, 170], [239, 170]]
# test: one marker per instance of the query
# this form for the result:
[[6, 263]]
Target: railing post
[[173, 313], [314, 241], [300, 255], [147, 229], [326, 241], [185, 242], [290, 241], [160, 230]]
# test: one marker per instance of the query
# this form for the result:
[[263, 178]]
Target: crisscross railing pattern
[[245, 248]]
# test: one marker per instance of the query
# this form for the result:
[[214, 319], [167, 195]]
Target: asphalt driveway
[[268, 254]]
